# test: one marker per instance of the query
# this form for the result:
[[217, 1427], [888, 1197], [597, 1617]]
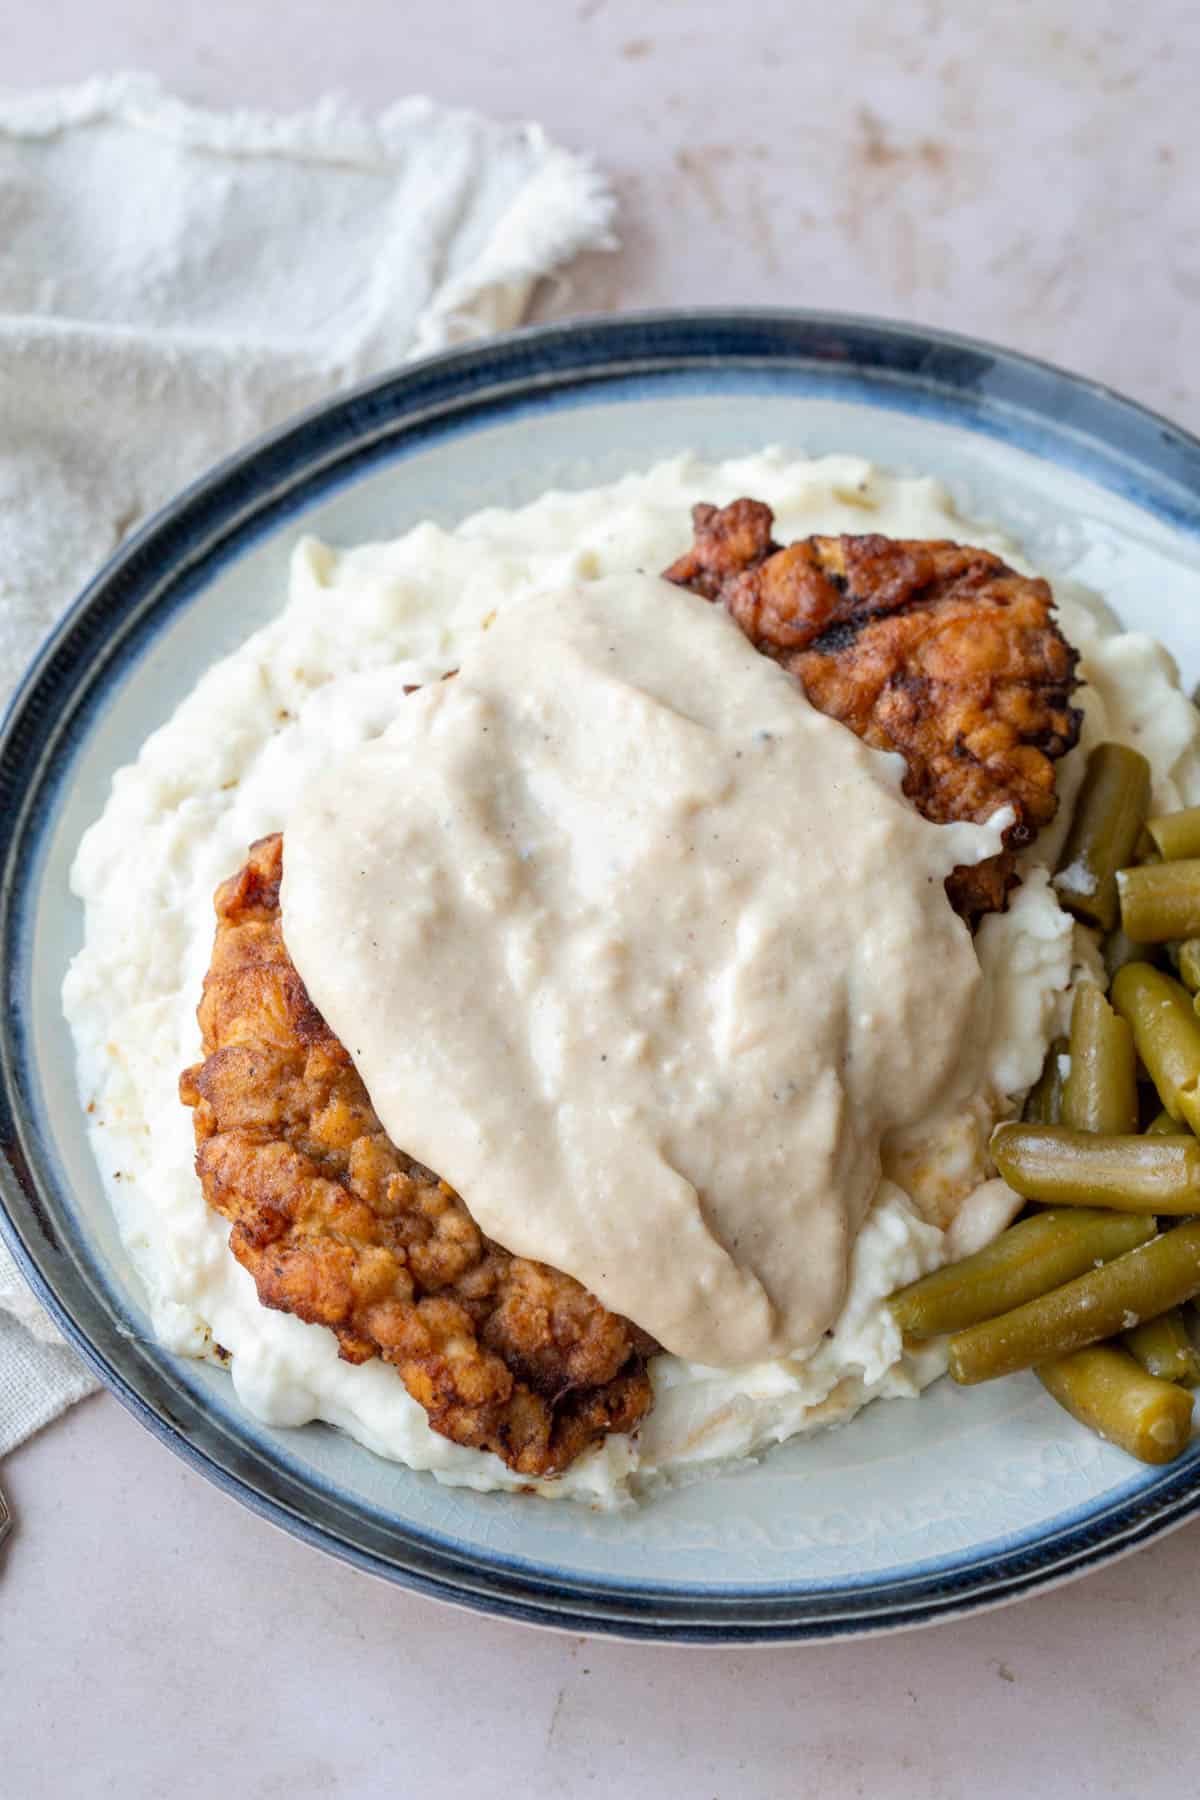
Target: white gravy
[[643, 955]]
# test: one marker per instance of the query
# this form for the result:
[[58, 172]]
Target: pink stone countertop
[[1027, 173]]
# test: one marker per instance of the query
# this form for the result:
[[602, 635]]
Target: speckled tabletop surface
[[1028, 173]]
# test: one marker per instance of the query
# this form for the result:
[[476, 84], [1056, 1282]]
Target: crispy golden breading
[[933, 649], [339, 1227]]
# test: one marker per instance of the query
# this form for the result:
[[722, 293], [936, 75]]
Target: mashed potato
[[327, 676]]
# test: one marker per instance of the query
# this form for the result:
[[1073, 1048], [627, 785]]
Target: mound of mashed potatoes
[[327, 677]]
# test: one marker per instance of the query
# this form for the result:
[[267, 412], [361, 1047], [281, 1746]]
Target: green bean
[[1100, 1093], [1166, 1035], [1187, 958], [1105, 1390], [1154, 1174], [1119, 950], [1160, 901], [1164, 1348], [1109, 813], [1177, 834], [1162, 1125], [1028, 1259], [1139, 1285], [1043, 1103]]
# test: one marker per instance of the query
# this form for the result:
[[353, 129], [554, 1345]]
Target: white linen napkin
[[172, 282]]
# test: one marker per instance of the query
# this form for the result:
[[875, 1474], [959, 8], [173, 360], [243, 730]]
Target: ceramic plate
[[915, 1511]]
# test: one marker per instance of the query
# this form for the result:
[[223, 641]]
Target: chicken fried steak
[[930, 648], [338, 1226]]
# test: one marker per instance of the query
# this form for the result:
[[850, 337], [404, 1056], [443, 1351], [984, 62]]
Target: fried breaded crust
[[932, 649], [338, 1226]]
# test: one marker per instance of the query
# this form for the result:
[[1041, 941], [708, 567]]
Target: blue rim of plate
[[1081, 424]]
